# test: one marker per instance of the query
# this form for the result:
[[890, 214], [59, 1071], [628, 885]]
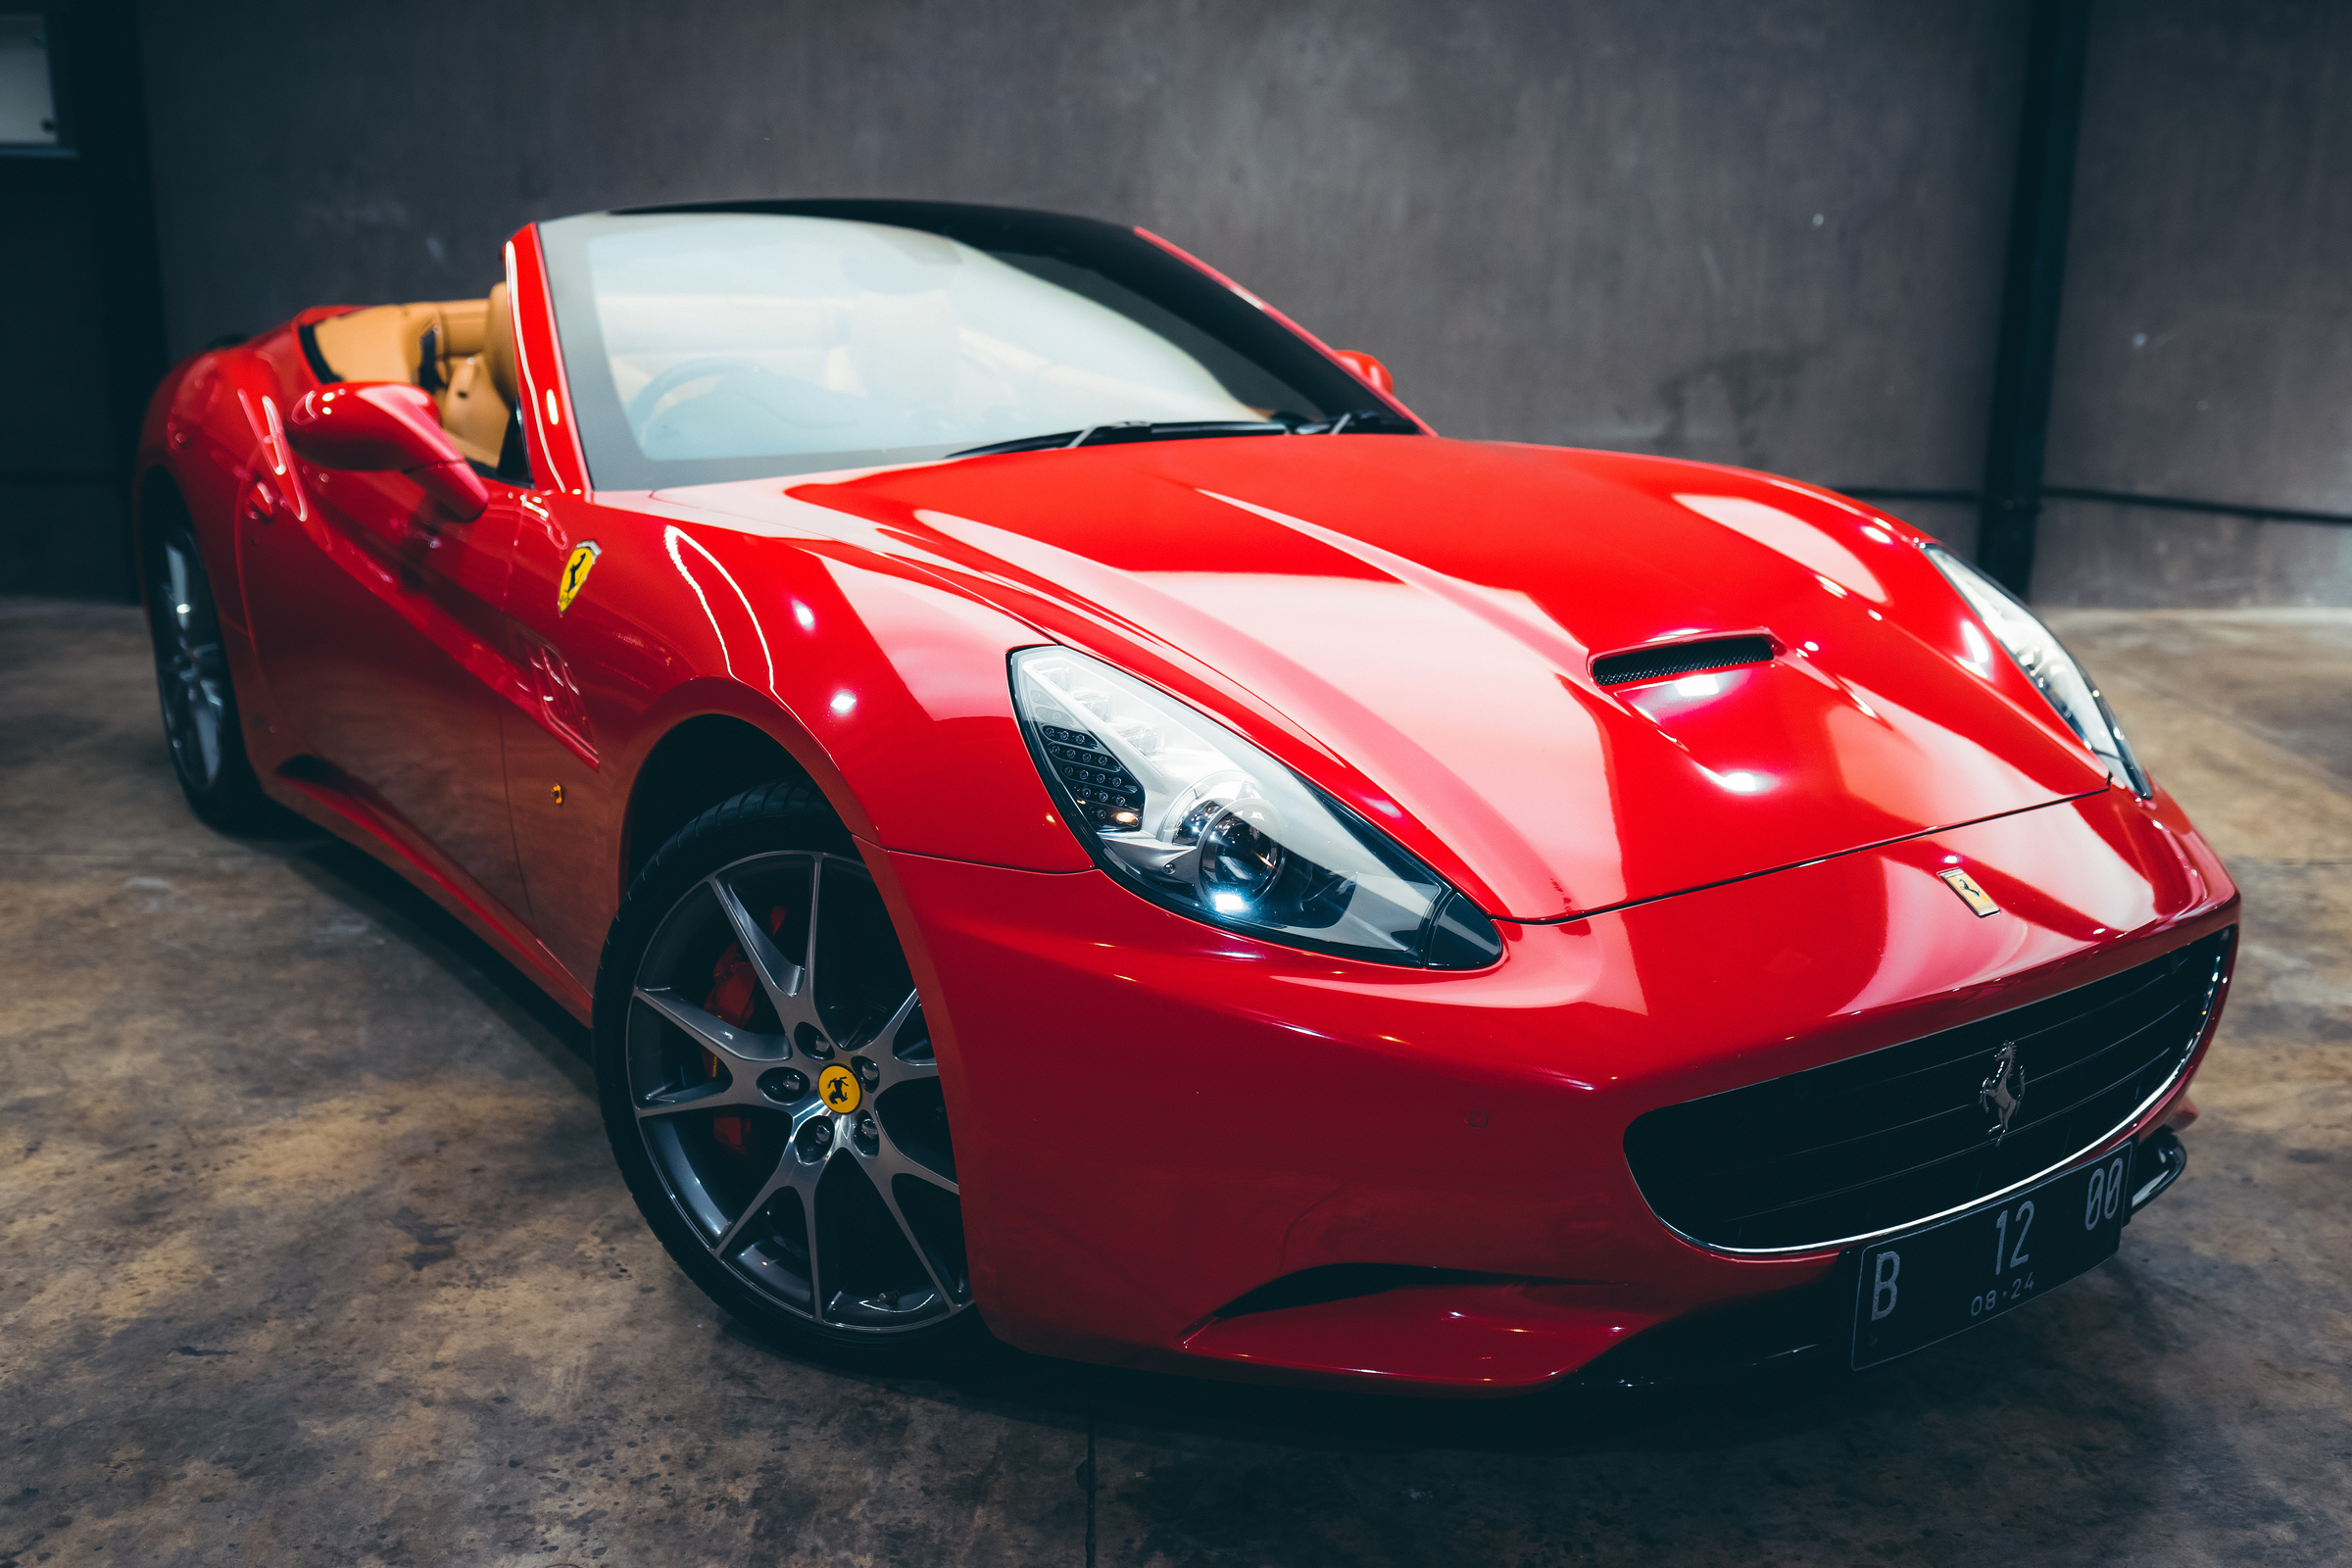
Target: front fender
[[887, 685]]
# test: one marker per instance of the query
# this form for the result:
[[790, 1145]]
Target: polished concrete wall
[[1768, 235], [2206, 346]]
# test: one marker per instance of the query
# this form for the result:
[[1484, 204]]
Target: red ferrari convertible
[[1066, 806]]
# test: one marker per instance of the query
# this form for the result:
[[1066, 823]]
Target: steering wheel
[[726, 369]]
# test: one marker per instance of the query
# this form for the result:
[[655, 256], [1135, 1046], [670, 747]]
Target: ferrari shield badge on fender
[[575, 572], [1975, 897], [839, 1089]]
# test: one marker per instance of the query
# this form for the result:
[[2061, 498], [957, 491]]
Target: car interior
[[462, 352]]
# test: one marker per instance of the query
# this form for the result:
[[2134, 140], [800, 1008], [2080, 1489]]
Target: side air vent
[[1681, 659]]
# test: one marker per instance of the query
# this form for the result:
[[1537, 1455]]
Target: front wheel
[[769, 1087]]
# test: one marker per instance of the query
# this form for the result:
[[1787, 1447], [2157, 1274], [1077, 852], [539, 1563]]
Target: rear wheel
[[769, 1086], [191, 675]]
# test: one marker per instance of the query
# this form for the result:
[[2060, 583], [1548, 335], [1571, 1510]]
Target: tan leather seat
[[499, 353], [460, 350]]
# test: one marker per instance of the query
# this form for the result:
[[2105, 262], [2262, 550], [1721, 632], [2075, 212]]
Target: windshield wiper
[[1126, 430], [1370, 421]]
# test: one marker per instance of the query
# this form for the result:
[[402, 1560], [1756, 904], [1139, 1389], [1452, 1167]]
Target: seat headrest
[[498, 346], [460, 326]]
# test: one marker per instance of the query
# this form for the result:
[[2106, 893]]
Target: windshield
[[711, 345]]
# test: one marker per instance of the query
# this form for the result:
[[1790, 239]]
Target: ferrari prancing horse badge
[[840, 1088], [575, 573], [1975, 897]]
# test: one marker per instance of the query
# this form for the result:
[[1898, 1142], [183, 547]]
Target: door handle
[[261, 502]]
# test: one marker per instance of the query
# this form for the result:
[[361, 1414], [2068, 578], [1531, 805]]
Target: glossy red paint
[[1253, 1112], [386, 428], [1343, 568], [555, 447], [1367, 369], [1700, 883], [1463, 1339]]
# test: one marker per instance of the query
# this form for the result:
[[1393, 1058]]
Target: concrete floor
[[311, 1250]]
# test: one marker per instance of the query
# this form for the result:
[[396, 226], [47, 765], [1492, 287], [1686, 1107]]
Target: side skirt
[[324, 796]]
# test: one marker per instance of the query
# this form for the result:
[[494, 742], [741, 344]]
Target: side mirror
[[1367, 368], [370, 426]]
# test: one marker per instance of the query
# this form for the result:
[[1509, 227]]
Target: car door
[[378, 618], [592, 664], [582, 611]]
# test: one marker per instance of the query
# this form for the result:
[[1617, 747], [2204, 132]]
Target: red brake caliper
[[733, 986]]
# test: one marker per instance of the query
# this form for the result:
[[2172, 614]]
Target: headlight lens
[[1194, 816], [2046, 663]]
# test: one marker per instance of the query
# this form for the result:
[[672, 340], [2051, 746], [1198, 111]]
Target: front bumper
[[1155, 1120]]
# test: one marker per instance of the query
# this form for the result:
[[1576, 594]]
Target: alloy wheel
[[790, 1105], [191, 672]]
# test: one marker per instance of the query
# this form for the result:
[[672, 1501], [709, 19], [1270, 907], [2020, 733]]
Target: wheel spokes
[[742, 1052], [883, 1167], [896, 1036], [207, 717], [786, 983], [872, 1285], [808, 991], [793, 1172], [195, 703], [740, 1091], [175, 568], [889, 1160], [914, 1243]]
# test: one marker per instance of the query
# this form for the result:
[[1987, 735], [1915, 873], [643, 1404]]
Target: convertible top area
[[460, 350]]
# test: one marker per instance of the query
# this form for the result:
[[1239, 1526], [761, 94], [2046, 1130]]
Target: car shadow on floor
[[350, 876]]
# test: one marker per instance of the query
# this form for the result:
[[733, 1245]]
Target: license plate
[[1929, 1285]]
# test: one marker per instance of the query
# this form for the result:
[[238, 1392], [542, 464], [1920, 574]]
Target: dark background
[[1772, 234]]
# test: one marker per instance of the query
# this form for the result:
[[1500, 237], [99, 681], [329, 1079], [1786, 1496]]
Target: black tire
[[715, 1059], [201, 721]]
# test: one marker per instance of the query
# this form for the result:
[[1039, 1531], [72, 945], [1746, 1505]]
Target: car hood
[[1412, 622]]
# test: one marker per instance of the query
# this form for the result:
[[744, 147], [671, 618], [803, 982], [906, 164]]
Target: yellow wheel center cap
[[838, 1086]]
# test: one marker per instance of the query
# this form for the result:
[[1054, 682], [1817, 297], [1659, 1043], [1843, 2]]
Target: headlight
[[1193, 816], [2048, 665]]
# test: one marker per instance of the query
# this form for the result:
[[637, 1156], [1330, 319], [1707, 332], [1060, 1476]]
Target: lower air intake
[[1883, 1141]]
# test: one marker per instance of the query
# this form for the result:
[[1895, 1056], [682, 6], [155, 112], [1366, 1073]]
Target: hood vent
[[1681, 659]]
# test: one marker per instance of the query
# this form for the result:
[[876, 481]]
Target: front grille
[[1884, 1140]]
